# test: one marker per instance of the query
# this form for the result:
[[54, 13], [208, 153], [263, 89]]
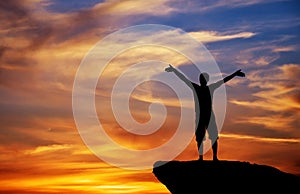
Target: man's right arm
[[180, 75]]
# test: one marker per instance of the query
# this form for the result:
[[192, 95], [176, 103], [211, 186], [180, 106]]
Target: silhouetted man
[[205, 118]]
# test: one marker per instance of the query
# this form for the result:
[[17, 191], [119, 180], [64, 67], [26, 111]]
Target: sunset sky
[[44, 42]]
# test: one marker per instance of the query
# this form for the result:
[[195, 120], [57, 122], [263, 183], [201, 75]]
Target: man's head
[[204, 78]]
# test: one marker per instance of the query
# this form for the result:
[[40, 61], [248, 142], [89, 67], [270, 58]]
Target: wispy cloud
[[263, 139], [285, 49], [49, 148], [213, 36], [283, 123], [257, 56], [206, 6]]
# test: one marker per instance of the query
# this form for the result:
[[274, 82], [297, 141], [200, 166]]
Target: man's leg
[[200, 150], [213, 136], [200, 133], [215, 150]]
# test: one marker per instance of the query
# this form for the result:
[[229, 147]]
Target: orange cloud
[[277, 98], [282, 153], [70, 172], [263, 139]]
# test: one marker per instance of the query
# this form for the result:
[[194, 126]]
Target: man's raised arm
[[237, 73], [227, 78], [180, 75]]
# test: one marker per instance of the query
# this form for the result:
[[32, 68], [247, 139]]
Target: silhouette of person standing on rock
[[203, 97]]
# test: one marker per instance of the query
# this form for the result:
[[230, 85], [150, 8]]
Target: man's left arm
[[237, 73], [229, 77]]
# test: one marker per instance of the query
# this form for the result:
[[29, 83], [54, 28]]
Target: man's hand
[[240, 73], [169, 69]]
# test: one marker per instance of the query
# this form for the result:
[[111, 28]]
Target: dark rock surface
[[185, 177]]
